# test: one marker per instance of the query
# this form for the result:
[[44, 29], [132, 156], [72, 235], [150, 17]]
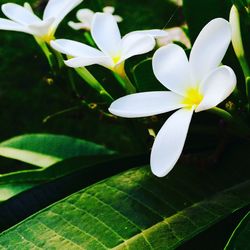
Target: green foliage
[[55, 155], [44, 150], [133, 209], [240, 237]]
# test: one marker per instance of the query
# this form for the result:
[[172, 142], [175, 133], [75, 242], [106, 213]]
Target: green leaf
[[14, 183], [44, 150], [144, 77], [240, 237], [133, 210], [9, 190], [56, 155]]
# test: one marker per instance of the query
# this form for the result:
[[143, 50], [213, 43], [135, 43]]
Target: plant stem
[[92, 81], [123, 79], [59, 58], [89, 38], [46, 52]]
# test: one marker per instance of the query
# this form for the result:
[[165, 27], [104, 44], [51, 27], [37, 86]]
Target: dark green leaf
[[44, 150], [136, 210], [57, 156], [241, 235]]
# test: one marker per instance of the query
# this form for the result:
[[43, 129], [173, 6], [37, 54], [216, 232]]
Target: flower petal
[[210, 47], [154, 32], [146, 104], [169, 142], [118, 18], [78, 26], [42, 28], [106, 34], [75, 49], [19, 14], [87, 61], [136, 44], [171, 68], [216, 87], [109, 9], [28, 7], [85, 16], [58, 9], [6, 24]]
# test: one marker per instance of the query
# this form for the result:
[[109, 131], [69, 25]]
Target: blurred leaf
[[133, 209], [199, 13], [57, 156], [9, 190], [44, 150], [144, 77], [241, 235]]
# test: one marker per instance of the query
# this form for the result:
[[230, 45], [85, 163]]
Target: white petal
[[28, 7], [19, 14], [136, 44], [59, 9], [219, 84], [75, 49], [171, 68], [85, 16], [78, 26], [106, 34], [154, 32], [109, 9], [169, 142], [6, 24], [87, 61], [210, 47], [42, 28], [146, 104], [118, 18]]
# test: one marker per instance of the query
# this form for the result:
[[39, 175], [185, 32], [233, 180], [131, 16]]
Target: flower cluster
[[194, 84], [86, 16]]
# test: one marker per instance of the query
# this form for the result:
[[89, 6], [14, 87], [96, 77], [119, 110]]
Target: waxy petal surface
[[153, 32], [58, 9], [106, 34], [87, 61], [75, 49], [6, 24], [146, 104], [169, 142], [19, 14], [218, 85], [210, 48], [136, 44], [171, 68]]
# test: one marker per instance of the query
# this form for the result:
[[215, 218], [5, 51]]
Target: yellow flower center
[[193, 97], [116, 58]]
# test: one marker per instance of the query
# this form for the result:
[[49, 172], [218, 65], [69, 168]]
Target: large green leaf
[[241, 235], [56, 155], [14, 183], [134, 210], [44, 150]]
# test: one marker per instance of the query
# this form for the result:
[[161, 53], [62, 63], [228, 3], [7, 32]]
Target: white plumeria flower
[[114, 50], [86, 16], [24, 20], [194, 85]]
